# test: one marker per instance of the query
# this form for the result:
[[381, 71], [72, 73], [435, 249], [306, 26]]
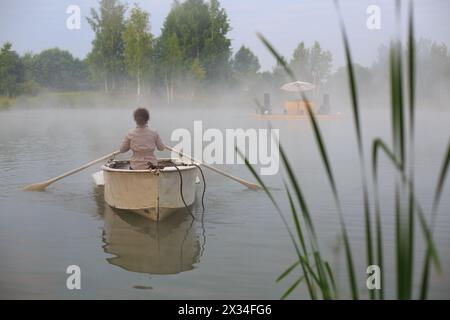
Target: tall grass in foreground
[[316, 272]]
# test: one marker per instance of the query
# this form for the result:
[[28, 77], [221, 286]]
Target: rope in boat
[[150, 166], [181, 190], [203, 211], [204, 186], [190, 212]]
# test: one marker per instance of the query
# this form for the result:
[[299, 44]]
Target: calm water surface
[[236, 249]]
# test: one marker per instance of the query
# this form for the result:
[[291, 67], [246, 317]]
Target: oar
[[226, 174], [42, 185]]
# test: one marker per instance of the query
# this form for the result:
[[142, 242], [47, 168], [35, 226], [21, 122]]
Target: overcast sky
[[33, 25]]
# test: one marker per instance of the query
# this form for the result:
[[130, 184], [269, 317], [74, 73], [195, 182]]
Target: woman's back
[[142, 141]]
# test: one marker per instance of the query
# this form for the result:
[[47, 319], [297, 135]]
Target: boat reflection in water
[[141, 245]]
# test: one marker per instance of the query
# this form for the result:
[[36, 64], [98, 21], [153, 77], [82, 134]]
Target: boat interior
[[165, 164]]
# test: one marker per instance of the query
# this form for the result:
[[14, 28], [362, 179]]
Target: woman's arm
[[125, 146], [159, 143]]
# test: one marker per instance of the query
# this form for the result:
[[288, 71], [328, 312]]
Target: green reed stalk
[[398, 147], [359, 139], [303, 258], [379, 144], [437, 196], [411, 94], [298, 227], [322, 281], [320, 273], [328, 170]]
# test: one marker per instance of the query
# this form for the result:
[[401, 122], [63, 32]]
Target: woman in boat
[[142, 141]]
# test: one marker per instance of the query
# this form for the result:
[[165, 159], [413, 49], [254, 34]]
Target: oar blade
[[35, 187], [253, 186], [41, 186]]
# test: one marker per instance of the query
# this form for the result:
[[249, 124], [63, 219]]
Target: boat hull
[[154, 194]]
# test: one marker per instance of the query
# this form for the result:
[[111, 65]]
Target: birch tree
[[106, 56], [138, 45]]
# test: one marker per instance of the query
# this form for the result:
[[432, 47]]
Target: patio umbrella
[[297, 86]]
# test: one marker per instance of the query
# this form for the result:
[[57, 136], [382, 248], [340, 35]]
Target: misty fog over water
[[241, 246]]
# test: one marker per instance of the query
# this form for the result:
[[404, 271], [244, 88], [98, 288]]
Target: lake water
[[236, 249]]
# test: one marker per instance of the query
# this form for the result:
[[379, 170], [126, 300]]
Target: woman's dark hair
[[141, 116]]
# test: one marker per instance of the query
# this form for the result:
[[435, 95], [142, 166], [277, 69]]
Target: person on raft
[[142, 141]]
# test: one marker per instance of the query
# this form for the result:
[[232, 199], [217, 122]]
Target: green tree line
[[52, 69], [192, 55]]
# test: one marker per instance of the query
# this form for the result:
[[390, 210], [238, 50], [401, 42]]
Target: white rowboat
[[153, 193]]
